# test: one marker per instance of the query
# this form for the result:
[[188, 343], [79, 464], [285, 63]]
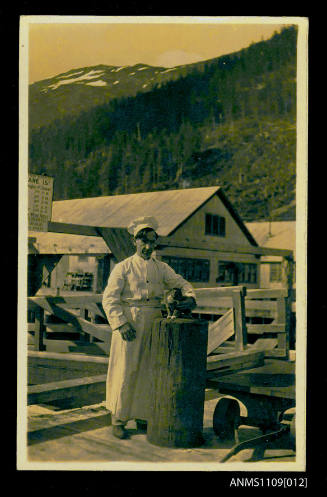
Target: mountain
[[81, 89], [229, 121]]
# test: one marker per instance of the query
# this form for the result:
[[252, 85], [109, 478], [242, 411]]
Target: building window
[[275, 271], [235, 273], [215, 225], [194, 270]]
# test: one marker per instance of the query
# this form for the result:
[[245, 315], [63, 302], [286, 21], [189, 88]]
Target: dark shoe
[[141, 425], [119, 431]]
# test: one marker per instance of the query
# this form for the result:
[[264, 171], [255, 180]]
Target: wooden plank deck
[[84, 435], [274, 378]]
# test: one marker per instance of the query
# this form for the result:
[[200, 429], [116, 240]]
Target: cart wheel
[[226, 418], [293, 433]]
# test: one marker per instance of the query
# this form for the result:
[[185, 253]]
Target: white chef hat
[[142, 222]]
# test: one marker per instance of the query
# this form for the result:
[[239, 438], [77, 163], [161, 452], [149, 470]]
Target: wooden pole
[[39, 329], [289, 270], [178, 380], [239, 318]]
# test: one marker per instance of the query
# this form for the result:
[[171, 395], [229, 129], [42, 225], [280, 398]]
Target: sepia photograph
[[162, 277]]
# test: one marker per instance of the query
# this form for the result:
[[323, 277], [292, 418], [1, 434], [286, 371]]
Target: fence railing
[[85, 315], [270, 306]]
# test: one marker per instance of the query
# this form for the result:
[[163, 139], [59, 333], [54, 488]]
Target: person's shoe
[[119, 431], [141, 425]]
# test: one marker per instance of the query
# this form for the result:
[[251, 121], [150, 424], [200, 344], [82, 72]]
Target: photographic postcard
[[124, 106]]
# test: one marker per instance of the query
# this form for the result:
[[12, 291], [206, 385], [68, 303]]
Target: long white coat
[[133, 295]]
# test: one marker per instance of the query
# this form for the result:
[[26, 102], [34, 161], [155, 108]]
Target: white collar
[[139, 258]]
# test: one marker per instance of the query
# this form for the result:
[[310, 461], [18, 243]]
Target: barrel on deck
[[178, 380]]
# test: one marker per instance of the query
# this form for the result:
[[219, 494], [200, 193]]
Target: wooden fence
[[85, 316], [272, 305], [228, 348]]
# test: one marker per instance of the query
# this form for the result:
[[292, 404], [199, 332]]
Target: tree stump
[[178, 381]]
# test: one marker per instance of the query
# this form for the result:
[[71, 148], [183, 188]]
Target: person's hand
[[188, 303], [127, 332]]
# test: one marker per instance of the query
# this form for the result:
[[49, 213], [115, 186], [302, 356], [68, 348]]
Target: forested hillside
[[228, 121]]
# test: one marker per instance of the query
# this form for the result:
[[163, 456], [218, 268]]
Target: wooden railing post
[[84, 313], [288, 302], [39, 329], [239, 318], [284, 316]]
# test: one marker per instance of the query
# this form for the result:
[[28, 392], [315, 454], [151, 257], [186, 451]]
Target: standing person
[[131, 301]]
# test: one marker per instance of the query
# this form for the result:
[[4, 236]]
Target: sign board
[[40, 191]]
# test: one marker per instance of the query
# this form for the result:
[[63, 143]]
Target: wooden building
[[281, 234], [57, 257], [204, 217]]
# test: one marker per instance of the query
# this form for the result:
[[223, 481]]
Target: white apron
[[133, 295], [127, 389]]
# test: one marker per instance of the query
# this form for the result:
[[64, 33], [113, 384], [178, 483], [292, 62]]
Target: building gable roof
[[170, 207], [275, 234]]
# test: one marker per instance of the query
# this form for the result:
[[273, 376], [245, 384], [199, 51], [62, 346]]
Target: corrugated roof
[[277, 234], [169, 207]]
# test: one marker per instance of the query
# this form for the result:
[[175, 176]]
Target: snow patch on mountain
[[89, 75], [99, 82], [120, 68], [103, 76], [168, 70], [71, 74]]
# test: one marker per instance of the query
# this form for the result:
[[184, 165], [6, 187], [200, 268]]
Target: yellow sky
[[56, 47]]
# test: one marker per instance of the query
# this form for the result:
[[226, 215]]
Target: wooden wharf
[[82, 435]]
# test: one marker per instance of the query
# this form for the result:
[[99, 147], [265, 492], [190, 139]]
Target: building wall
[[214, 258], [73, 264], [194, 227], [82, 263], [273, 273]]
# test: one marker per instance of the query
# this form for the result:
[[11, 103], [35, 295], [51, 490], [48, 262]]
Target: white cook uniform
[[133, 295]]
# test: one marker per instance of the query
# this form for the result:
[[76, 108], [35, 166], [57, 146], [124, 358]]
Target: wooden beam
[[217, 292], [265, 344], [77, 346], [265, 293], [222, 246], [39, 329], [239, 319], [47, 392], [93, 303], [166, 241], [119, 242], [101, 332], [220, 331], [236, 358], [260, 329], [72, 229], [67, 357], [73, 301]]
